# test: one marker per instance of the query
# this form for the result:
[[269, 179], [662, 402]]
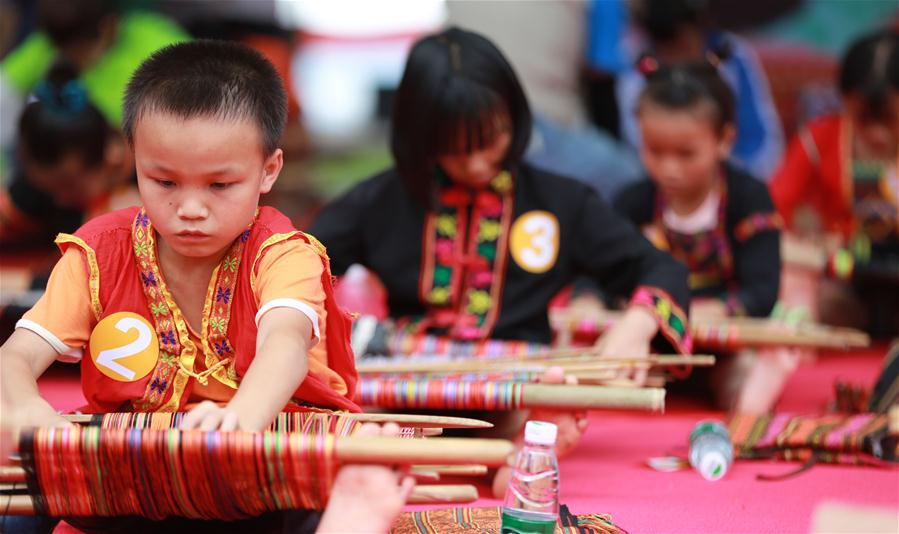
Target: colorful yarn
[[291, 422], [92, 471], [440, 394], [409, 345]]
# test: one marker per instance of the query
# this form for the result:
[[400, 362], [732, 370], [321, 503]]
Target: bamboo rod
[[23, 505], [893, 421], [432, 494], [472, 470], [568, 359], [592, 397], [742, 331], [413, 420]]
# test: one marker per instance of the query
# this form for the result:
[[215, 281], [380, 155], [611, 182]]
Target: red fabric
[[819, 180], [120, 290]]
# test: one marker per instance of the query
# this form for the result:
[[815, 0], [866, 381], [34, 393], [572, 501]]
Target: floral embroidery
[[174, 336], [463, 263], [671, 318], [223, 295]]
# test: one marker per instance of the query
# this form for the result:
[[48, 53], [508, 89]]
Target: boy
[[231, 304]]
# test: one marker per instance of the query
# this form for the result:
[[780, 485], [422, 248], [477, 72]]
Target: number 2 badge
[[124, 347]]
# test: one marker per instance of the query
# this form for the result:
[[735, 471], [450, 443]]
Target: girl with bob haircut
[[471, 242]]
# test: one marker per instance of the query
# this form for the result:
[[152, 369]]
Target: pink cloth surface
[[607, 472]]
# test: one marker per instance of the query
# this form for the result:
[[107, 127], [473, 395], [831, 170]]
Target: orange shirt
[[289, 275]]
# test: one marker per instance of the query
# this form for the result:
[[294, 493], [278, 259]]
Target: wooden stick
[[747, 331], [23, 505], [571, 360], [455, 493], [473, 470], [592, 397], [893, 421], [413, 420]]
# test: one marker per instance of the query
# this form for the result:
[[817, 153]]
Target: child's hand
[[708, 310], [367, 498], [37, 414], [210, 416], [630, 337]]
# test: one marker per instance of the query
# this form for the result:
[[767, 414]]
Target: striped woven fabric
[[832, 438], [488, 521]]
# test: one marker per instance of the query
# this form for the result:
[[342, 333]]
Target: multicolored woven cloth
[[831, 438], [488, 521]]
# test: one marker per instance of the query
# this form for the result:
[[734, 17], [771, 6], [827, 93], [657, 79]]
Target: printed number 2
[[108, 358]]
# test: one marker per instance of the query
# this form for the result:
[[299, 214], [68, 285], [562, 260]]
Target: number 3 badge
[[535, 241], [124, 347]]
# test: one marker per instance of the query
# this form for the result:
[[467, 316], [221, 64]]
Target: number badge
[[124, 347], [535, 241]]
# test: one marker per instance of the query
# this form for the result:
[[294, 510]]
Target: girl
[[70, 162], [845, 167], [472, 243], [716, 219]]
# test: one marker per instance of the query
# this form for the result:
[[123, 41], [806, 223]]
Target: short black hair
[[683, 86], [68, 22], [457, 94], [62, 121], [662, 20], [208, 79], [870, 69]]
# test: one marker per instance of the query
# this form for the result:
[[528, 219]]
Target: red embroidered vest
[[125, 277]]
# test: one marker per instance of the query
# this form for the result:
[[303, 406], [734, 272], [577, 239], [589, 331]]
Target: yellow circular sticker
[[535, 241], [124, 347]]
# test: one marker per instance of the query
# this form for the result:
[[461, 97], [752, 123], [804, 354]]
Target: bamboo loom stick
[[442, 395], [893, 421], [592, 397], [741, 331], [571, 360], [23, 505], [408, 420], [443, 493], [472, 470]]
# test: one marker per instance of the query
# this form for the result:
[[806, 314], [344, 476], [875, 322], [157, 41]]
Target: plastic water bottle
[[532, 498], [711, 450]]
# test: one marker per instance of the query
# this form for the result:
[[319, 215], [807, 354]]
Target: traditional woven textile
[[405, 344], [92, 471], [302, 422], [831, 438], [440, 394], [488, 521]]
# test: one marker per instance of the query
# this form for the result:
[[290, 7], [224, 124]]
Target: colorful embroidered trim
[[671, 318], [707, 255], [757, 223], [464, 257], [178, 352]]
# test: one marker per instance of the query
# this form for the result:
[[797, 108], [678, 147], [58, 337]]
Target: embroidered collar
[[464, 255]]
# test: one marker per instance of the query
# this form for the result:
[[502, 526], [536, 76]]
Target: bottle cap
[[540, 433], [713, 465]]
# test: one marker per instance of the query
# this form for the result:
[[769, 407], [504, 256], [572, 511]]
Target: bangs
[[467, 117]]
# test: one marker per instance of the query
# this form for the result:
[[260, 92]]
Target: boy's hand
[[35, 415], [630, 337], [367, 498], [208, 416]]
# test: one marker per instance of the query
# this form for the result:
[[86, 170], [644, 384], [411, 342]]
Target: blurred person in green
[[102, 39]]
